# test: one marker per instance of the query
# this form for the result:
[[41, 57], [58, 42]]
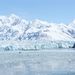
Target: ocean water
[[38, 62]]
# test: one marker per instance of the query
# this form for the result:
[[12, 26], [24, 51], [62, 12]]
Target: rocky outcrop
[[73, 46]]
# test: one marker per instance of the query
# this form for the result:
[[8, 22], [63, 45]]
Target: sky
[[56, 11]]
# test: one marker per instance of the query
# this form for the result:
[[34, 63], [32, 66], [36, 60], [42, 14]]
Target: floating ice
[[46, 62]]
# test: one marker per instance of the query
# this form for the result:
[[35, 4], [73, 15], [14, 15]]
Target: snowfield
[[40, 62], [36, 47], [13, 27]]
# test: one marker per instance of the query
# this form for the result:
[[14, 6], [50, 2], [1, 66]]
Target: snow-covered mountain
[[13, 27]]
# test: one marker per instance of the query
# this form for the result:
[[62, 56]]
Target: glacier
[[13, 27], [33, 45], [36, 47], [17, 33]]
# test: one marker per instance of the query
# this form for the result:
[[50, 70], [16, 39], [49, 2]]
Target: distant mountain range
[[13, 27]]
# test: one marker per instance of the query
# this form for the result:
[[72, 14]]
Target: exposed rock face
[[73, 46]]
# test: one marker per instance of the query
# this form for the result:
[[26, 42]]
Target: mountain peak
[[72, 24], [14, 16], [13, 27], [74, 21], [36, 20]]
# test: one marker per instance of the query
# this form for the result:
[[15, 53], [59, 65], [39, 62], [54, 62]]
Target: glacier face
[[13, 27], [17, 33], [24, 45]]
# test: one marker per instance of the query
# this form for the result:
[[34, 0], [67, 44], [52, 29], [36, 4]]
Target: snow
[[26, 29], [17, 33], [72, 24], [36, 47]]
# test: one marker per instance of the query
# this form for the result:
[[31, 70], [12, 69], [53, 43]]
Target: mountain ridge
[[13, 27]]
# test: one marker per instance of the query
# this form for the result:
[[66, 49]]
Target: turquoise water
[[40, 62]]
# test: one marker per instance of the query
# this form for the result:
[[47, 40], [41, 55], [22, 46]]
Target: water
[[40, 62]]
